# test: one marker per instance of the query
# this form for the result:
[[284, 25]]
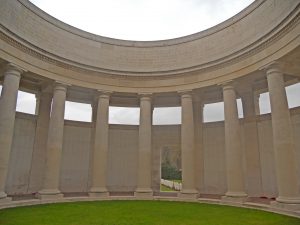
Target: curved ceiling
[[142, 20]]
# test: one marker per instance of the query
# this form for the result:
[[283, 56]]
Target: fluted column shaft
[[145, 147], [287, 180], [187, 146], [233, 147], [8, 104], [40, 142], [54, 144], [100, 151]]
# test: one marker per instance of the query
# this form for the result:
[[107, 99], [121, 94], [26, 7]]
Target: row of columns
[[50, 134]]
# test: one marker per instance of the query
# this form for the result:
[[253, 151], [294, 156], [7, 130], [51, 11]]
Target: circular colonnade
[[254, 51]]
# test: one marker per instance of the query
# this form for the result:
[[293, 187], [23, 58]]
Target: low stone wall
[[171, 184], [123, 153], [247, 204]]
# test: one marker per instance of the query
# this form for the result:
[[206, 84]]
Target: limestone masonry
[[237, 160]]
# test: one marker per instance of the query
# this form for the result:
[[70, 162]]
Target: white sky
[[142, 19], [171, 115], [145, 20]]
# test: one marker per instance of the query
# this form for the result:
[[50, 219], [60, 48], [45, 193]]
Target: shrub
[[169, 172]]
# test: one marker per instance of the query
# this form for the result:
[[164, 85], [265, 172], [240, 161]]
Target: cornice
[[143, 44], [284, 27]]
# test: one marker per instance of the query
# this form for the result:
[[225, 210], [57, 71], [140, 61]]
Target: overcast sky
[[145, 20], [142, 19]]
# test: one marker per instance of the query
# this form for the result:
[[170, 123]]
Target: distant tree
[[169, 172]]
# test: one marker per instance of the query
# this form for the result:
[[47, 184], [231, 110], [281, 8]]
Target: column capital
[[61, 86], [227, 85], [103, 94], [230, 85], [145, 96], [183, 92], [14, 69], [186, 94], [272, 67]]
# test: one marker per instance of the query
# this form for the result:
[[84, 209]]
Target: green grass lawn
[[139, 213], [165, 188], [178, 181]]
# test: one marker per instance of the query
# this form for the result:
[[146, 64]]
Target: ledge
[[258, 206], [194, 53]]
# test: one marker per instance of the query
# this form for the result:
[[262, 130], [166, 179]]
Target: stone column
[[156, 165], [143, 189], [256, 103], [54, 145], [8, 104], [187, 147], [284, 146], [40, 141], [233, 148], [100, 148], [253, 166], [94, 105], [199, 154], [37, 103]]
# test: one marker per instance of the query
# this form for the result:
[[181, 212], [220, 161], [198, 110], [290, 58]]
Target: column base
[[4, 198], [188, 194], [99, 193], [49, 194], [143, 193], [234, 197], [292, 204]]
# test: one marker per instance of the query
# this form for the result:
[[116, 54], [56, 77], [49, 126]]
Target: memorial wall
[[122, 166]]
